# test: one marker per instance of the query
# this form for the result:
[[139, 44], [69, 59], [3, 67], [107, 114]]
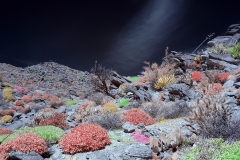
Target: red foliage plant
[[25, 143], [5, 131], [56, 119], [196, 76], [19, 103], [223, 76], [18, 108], [26, 98], [6, 112], [86, 137], [136, 116]]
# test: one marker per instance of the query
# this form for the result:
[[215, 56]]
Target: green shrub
[[48, 133], [213, 149], [71, 102], [123, 103], [133, 79]]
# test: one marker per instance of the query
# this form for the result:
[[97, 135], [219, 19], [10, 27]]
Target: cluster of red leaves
[[19, 103], [195, 64], [6, 112], [141, 81], [25, 143], [57, 119], [52, 100], [5, 131], [223, 76], [137, 116], [18, 108], [86, 137], [196, 76]]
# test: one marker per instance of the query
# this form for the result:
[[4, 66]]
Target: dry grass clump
[[154, 72], [214, 118], [106, 120]]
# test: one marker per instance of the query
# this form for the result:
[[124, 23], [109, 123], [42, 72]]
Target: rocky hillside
[[182, 109]]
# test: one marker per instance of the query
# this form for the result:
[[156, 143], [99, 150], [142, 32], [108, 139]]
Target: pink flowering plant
[[21, 90], [139, 137]]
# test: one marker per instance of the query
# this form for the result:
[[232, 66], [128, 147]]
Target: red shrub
[[57, 119], [45, 96], [141, 81], [26, 98], [196, 76], [6, 112], [136, 116], [86, 137], [31, 104], [223, 76], [19, 103], [5, 131], [25, 143], [195, 64], [18, 108]]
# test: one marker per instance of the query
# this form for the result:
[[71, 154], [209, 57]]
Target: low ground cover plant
[[123, 102]]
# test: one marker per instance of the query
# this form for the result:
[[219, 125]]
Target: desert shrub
[[136, 104], [19, 103], [215, 149], [7, 94], [136, 116], [223, 76], [173, 110], [50, 118], [101, 79], [110, 107], [219, 48], [133, 79], [106, 120], [151, 108], [6, 119], [27, 98], [196, 76], [5, 131], [97, 98], [49, 133], [163, 81], [203, 149], [71, 102], [87, 109], [20, 90], [6, 112], [154, 72], [18, 109], [28, 142], [86, 137], [123, 102], [213, 115], [210, 89]]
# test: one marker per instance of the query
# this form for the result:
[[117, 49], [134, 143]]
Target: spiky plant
[[214, 118], [163, 81]]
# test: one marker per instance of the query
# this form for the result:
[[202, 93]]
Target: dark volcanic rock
[[24, 156]]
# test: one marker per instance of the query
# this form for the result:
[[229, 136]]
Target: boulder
[[26, 156]]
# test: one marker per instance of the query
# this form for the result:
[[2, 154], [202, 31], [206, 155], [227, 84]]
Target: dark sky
[[120, 34]]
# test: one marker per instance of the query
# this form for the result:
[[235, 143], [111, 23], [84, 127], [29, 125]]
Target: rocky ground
[[49, 88]]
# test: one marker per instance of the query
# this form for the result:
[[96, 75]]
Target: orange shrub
[[136, 116], [196, 76], [86, 137], [223, 76]]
